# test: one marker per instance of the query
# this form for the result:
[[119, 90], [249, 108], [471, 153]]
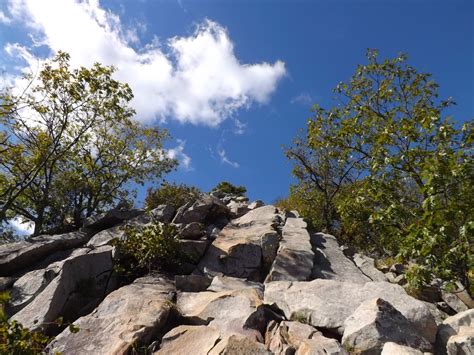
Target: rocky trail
[[261, 284]]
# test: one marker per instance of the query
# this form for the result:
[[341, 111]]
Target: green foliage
[[228, 188], [14, 338], [70, 147], [398, 174], [171, 194], [149, 248]]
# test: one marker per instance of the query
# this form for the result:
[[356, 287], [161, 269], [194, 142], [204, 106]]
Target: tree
[[228, 188], [389, 143], [70, 146], [175, 195]]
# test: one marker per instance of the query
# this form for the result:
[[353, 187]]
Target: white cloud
[[179, 154], [4, 18], [225, 160], [303, 99], [195, 79], [21, 227]]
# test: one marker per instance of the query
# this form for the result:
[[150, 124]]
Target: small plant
[[149, 248], [14, 338], [171, 194]]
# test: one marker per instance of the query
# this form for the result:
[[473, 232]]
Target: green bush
[[150, 248], [228, 188], [14, 338], [171, 194]]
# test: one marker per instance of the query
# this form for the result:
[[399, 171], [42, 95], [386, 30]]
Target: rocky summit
[[259, 283]]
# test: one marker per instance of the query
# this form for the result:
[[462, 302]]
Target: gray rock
[[242, 199], [193, 230], [438, 314], [367, 266], [330, 262], [205, 208], [82, 282], [462, 343], [239, 345], [189, 339], [391, 348], [192, 283], [238, 209], [20, 255], [256, 204], [452, 327], [132, 314], [194, 249], [327, 303], [106, 236], [376, 322], [453, 301], [226, 283], [294, 259], [320, 345], [163, 213], [6, 283], [286, 337], [111, 218], [396, 279], [244, 247]]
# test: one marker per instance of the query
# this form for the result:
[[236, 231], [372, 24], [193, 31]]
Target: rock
[[376, 322], [188, 339], [294, 259], [320, 345], [6, 283], [239, 345], [135, 313], [238, 209], [226, 283], [461, 343], [111, 218], [192, 283], [194, 230], [82, 282], [391, 348], [331, 263], [194, 249], [285, 337], [256, 204], [245, 247], [396, 279], [207, 207], [438, 314], [327, 303], [454, 302], [104, 237], [348, 251], [228, 311], [241, 199], [20, 255], [452, 327], [163, 213], [367, 266]]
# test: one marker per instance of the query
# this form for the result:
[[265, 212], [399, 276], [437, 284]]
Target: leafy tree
[[228, 188], [70, 146], [171, 194], [406, 166]]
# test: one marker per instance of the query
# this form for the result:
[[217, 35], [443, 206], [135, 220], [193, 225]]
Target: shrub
[[149, 248], [228, 188], [171, 194], [14, 338]]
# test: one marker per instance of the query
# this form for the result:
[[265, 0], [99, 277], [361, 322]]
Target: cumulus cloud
[[224, 159], [195, 79], [179, 154], [22, 227]]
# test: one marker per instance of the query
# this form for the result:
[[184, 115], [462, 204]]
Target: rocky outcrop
[[206, 207], [131, 314], [456, 331], [328, 303]]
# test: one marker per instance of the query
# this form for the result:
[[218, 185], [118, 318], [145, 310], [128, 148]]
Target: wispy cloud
[[179, 154], [303, 98], [4, 18], [226, 160], [195, 79]]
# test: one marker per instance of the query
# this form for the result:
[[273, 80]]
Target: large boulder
[[367, 266], [228, 311], [286, 337], [376, 322], [245, 247], [327, 303], [320, 345], [294, 259], [226, 283], [239, 345], [192, 283], [104, 237], [132, 314], [397, 349], [81, 284], [330, 262], [455, 326], [163, 213], [189, 339], [205, 208], [111, 218], [24, 254]]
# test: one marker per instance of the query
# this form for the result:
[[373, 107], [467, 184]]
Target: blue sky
[[233, 81]]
